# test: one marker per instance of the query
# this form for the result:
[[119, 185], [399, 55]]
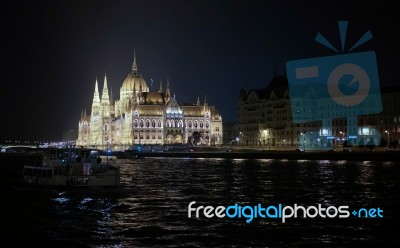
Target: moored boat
[[72, 167]]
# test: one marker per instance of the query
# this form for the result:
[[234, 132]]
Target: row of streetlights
[[265, 131], [25, 142]]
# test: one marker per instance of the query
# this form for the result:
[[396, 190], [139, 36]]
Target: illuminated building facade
[[146, 117], [265, 119]]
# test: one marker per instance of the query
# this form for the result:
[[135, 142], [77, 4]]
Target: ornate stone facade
[[142, 116]]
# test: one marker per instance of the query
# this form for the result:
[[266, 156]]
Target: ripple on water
[[150, 208]]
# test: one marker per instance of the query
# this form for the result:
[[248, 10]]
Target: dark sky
[[52, 51]]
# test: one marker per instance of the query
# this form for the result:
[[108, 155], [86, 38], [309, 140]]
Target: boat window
[[94, 154]]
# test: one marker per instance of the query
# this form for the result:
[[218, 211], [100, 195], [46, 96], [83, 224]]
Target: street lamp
[[342, 133], [266, 136], [388, 140]]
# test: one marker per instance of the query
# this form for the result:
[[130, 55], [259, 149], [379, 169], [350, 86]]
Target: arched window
[[147, 123], [207, 125], [135, 123], [195, 124], [153, 123], [201, 124], [180, 123], [141, 123], [159, 123], [190, 124]]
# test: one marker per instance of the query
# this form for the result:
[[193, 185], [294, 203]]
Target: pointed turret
[[167, 92], [205, 104], [198, 101], [134, 65], [160, 90], [96, 100], [96, 91], [105, 99]]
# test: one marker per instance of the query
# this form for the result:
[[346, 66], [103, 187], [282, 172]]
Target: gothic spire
[[134, 65], [205, 103], [96, 96], [105, 97], [105, 82], [96, 100], [167, 92], [160, 90], [96, 87]]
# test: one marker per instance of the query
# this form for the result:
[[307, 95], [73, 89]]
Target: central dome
[[134, 81]]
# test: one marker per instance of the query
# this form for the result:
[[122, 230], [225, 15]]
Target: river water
[[150, 209]]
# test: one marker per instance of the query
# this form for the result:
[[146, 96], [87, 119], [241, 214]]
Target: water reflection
[[150, 209]]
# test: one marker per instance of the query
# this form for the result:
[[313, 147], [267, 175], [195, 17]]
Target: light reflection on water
[[150, 208]]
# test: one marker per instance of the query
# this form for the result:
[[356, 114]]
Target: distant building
[[142, 116], [265, 119], [386, 123]]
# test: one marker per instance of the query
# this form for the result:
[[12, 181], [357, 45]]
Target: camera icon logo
[[359, 75], [331, 87], [348, 82]]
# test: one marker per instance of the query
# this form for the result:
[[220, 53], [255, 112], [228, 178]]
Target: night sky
[[52, 51]]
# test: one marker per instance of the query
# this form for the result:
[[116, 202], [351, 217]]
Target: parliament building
[[144, 117]]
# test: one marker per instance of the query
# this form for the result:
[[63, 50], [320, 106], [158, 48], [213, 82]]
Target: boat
[[107, 155], [74, 166]]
